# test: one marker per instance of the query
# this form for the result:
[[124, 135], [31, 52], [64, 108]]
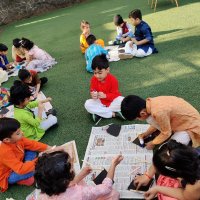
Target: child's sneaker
[[119, 115], [51, 112], [124, 56], [27, 182], [96, 118]]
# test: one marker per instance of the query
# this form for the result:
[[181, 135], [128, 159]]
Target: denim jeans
[[14, 177]]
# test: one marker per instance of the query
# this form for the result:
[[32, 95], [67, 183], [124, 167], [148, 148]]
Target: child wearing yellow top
[[85, 28]]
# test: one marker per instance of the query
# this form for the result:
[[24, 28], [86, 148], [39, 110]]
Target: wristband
[[146, 174]]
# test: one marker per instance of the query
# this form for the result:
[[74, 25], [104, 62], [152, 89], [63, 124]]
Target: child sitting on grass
[[179, 162], [92, 51], [37, 58], [124, 31], [106, 98], [17, 155], [85, 28], [30, 77], [18, 53], [33, 126], [62, 183], [142, 43], [4, 64]]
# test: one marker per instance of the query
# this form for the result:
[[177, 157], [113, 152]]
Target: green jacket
[[29, 125]]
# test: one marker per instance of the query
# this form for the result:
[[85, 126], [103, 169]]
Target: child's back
[[92, 51]]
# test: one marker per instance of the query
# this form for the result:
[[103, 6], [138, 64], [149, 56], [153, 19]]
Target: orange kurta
[[11, 159], [174, 114]]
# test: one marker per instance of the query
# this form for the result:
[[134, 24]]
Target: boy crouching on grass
[[105, 96], [17, 155]]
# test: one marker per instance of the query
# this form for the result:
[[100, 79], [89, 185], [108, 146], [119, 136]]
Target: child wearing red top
[[106, 98]]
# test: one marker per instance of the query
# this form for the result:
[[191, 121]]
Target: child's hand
[[48, 99], [86, 170], [151, 193], [116, 160], [35, 95], [141, 180], [40, 106], [149, 145], [94, 94], [101, 95], [131, 44], [134, 41]]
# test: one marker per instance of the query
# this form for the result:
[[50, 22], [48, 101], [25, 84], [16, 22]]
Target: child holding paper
[[172, 116], [62, 183], [33, 126]]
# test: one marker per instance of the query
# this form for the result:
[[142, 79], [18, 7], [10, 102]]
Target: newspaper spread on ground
[[70, 147], [102, 147]]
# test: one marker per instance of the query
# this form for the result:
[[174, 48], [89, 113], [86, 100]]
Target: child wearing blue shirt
[[142, 43], [4, 64], [92, 51]]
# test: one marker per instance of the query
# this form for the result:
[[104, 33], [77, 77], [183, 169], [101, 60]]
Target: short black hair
[[27, 44], [3, 47], [135, 14], [17, 42], [90, 39], [19, 92], [7, 127], [100, 62], [118, 20], [23, 74], [131, 106], [175, 160], [53, 172]]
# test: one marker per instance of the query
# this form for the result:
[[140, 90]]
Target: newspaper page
[[70, 147], [102, 147], [47, 105]]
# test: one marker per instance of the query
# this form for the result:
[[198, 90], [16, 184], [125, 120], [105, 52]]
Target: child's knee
[[53, 119], [87, 104]]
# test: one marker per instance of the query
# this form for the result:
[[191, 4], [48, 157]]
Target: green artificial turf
[[173, 71]]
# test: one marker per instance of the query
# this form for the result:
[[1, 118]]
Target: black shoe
[[51, 112], [96, 118], [119, 115]]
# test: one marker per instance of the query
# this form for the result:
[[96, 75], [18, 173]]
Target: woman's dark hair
[[23, 74], [27, 44], [3, 47], [19, 92], [118, 20], [175, 160], [7, 127], [90, 39], [53, 172], [17, 42], [131, 106], [135, 14], [100, 62]]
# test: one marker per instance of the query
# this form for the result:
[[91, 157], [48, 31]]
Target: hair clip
[[170, 168], [168, 153]]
